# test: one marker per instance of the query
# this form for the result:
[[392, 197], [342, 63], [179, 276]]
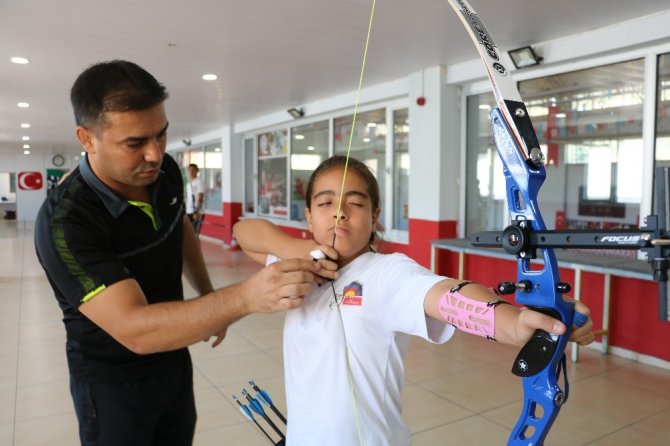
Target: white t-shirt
[[382, 304], [193, 189]]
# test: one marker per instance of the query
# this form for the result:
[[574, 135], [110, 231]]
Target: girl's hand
[[582, 335], [530, 320], [328, 265]]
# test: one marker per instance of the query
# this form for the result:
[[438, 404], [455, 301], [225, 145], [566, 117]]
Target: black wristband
[[459, 286], [495, 303]]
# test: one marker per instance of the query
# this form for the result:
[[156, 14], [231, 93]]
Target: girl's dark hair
[[356, 166], [113, 86]]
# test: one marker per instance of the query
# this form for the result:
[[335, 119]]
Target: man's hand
[[282, 285], [219, 337]]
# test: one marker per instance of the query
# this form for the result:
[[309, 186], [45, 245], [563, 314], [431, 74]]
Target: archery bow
[[541, 361]]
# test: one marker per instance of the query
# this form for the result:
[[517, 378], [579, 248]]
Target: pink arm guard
[[469, 315]]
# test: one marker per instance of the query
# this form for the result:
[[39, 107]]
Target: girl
[[344, 348]]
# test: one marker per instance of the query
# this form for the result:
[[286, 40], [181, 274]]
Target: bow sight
[[521, 240]]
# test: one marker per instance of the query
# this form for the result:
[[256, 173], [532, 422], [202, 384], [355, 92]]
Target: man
[[195, 197], [114, 242]]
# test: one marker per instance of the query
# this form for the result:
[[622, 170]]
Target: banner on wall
[[30, 180], [53, 178]]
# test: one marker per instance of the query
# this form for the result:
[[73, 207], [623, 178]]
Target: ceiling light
[[217, 149], [22, 104], [19, 60], [560, 115], [366, 139], [25, 125], [310, 147], [26, 152], [25, 138], [299, 136], [372, 124], [296, 112], [484, 107], [26, 146], [83, 153], [524, 57], [210, 77]]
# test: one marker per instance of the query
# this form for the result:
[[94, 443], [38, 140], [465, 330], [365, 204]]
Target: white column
[[434, 146]]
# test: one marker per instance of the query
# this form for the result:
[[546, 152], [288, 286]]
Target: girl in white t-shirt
[[344, 347]]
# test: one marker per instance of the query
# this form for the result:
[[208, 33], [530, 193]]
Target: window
[[368, 143], [272, 166], [485, 206], [589, 125], [309, 147], [210, 174], [249, 178], [401, 169], [285, 160], [663, 114]]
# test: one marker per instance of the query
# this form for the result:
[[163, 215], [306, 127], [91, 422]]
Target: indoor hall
[[457, 393], [261, 92]]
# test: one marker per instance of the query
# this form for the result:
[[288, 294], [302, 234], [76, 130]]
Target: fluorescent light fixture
[[210, 77], [19, 60], [560, 115], [26, 146], [484, 107], [22, 104], [524, 57], [366, 139], [83, 153], [305, 162], [25, 125], [310, 148], [299, 136], [26, 152], [372, 124], [25, 138], [296, 112]]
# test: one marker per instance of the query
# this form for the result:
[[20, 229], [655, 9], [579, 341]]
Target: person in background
[[114, 242], [345, 347], [195, 197]]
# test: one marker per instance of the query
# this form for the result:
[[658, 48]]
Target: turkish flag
[[30, 180]]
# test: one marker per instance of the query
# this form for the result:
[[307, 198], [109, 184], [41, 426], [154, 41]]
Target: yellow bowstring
[[353, 120], [337, 219]]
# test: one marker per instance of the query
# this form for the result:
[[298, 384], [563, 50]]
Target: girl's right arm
[[259, 237]]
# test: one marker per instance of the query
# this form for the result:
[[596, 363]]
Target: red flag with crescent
[[30, 180]]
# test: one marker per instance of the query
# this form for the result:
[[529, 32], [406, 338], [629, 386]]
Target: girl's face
[[357, 218]]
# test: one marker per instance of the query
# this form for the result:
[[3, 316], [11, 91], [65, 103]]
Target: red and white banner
[[30, 180]]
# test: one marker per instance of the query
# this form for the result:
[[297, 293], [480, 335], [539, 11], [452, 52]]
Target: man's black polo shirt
[[88, 238]]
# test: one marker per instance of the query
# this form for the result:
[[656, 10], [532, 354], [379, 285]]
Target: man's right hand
[[282, 285]]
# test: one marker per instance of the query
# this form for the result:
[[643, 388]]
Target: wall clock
[[58, 160]]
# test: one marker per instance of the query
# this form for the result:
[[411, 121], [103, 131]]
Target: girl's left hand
[[530, 320], [582, 335]]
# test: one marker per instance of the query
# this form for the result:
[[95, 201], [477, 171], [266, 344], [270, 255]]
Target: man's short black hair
[[113, 86]]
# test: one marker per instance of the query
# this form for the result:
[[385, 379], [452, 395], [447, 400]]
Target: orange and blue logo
[[353, 294]]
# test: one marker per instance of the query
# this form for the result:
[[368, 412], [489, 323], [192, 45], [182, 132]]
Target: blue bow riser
[[540, 361]]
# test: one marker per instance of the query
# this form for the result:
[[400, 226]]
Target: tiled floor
[[460, 393]]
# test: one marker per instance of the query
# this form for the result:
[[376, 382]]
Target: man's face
[[127, 153], [192, 172]]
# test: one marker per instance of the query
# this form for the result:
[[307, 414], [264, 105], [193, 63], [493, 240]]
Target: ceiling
[[268, 55]]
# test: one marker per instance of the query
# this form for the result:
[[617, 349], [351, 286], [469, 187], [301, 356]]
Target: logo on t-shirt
[[353, 294]]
